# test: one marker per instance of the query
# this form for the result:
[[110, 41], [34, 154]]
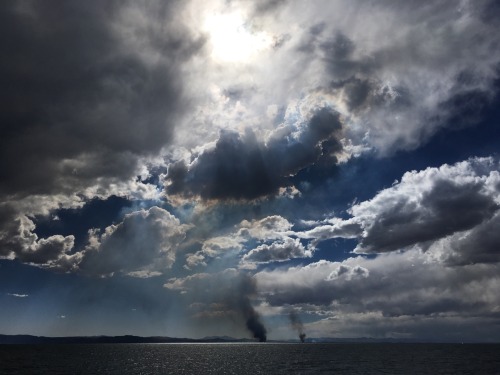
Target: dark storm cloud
[[243, 168], [87, 90], [80, 100], [235, 168]]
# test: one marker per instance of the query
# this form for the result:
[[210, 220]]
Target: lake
[[245, 358]]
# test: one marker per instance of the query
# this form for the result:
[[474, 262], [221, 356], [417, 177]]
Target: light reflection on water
[[250, 358]]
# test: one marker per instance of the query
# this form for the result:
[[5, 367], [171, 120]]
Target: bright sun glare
[[232, 40]]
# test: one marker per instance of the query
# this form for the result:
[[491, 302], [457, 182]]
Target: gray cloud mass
[[241, 167], [82, 105], [79, 103]]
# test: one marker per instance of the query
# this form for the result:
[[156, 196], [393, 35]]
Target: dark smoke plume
[[248, 288], [297, 325]]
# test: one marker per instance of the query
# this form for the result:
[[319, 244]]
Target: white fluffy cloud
[[449, 210], [245, 235], [428, 205], [18, 241], [277, 252]]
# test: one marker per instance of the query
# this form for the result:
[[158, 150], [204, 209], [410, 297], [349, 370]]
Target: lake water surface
[[241, 359]]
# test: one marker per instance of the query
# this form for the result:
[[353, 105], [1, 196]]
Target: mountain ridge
[[132, 339]]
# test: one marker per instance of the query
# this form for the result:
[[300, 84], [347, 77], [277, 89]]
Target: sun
[[232, 39]]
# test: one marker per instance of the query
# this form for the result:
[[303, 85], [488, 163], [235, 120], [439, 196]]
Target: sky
[[250, 168]]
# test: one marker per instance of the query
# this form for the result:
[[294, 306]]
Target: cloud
[[143, 245], [396, 83], [479, 245], [428, 205], [388, 79], [437, 328], [244, 236], [335, 228], [139, 91], [78, 92], [268, 228], [444, 219], [453, 204], [18, 241], [348, 272], [241, 167], [16, 295], [383, 81], [91, 96], [277, 252], [397, 289]]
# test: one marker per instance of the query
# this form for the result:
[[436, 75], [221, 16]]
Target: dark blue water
[[250, 359]]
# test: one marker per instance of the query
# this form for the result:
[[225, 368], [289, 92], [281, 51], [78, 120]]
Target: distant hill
[[126, 339], [130, 339]]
